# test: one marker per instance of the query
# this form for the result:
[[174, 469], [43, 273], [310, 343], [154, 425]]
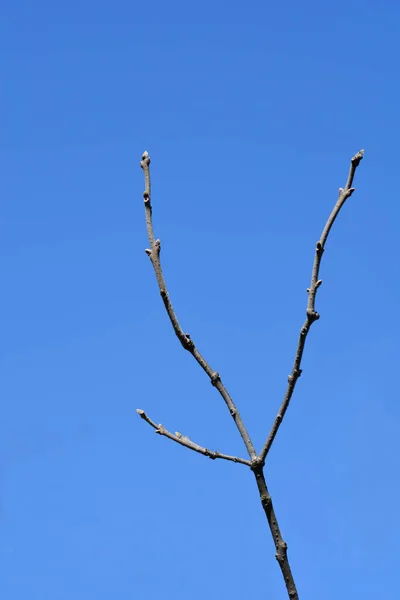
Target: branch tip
[[357, 158], [145, 159]]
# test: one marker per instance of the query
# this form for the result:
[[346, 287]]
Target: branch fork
[[256, 461]]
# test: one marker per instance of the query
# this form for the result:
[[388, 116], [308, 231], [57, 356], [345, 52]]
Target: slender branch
[[311, 314], [185, 441], [257, 462], [280, 544], [184, 338]]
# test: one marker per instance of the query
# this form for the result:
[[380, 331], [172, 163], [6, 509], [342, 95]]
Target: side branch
[[311, 314], [154, 254], [185, 441]]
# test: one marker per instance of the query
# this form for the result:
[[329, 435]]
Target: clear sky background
[[251, 113]]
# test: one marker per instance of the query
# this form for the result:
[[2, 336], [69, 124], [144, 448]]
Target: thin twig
[[280, 544], [185, 441], [257, 462], [311, 314], [184, 338]]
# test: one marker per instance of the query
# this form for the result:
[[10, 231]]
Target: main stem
[[280, 544]]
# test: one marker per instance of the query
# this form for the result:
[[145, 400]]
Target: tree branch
[[185, 441], [311, 314], [280, 544], [184, 338], [257, 461]]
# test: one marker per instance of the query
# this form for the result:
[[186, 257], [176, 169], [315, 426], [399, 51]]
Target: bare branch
[[184, 338], [257, 462], [185, 441], [280, 544], [311, 314]]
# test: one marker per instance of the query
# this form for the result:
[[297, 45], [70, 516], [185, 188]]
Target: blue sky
[[250, 115]]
